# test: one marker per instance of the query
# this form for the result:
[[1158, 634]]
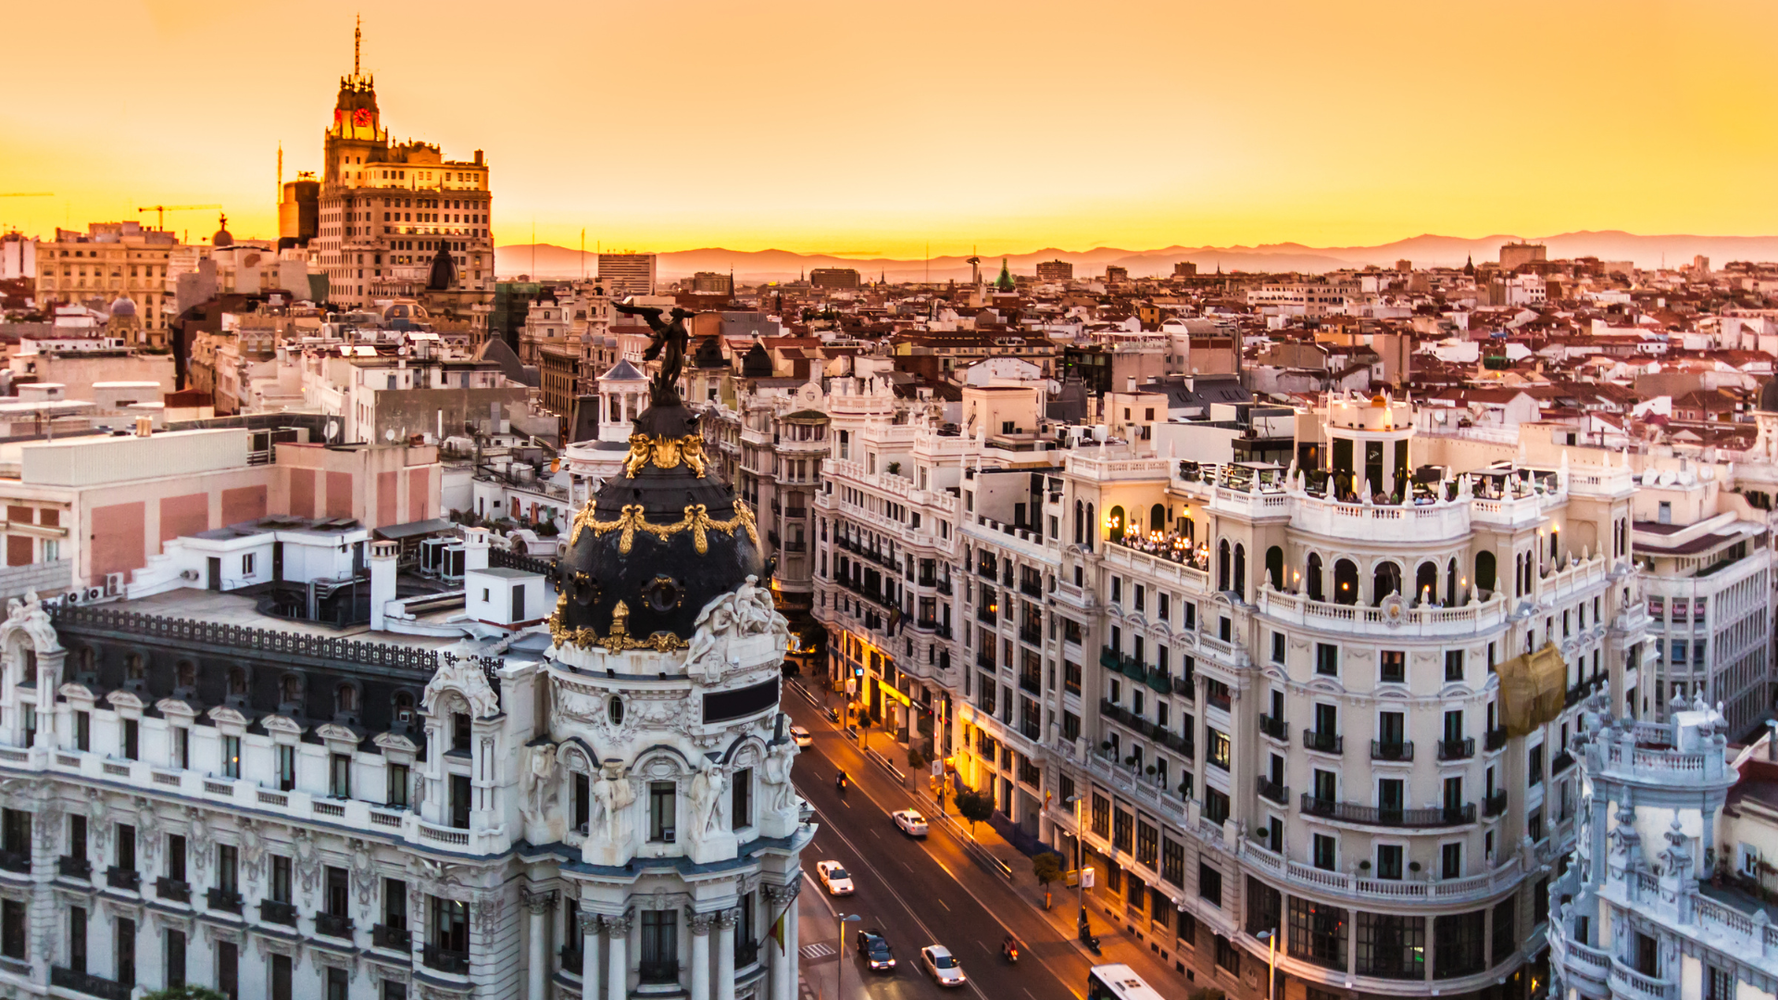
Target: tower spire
[[357, 38]]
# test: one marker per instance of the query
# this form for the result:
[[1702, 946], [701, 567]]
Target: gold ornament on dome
[[632, 519], [620, 638], [665, 453]]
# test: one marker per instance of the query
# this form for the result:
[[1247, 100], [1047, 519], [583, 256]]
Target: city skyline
[[936, 138]]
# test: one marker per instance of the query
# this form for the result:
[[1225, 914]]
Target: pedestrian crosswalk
[[819, 949]]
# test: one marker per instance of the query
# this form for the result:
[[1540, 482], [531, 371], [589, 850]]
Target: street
[[917, 892]]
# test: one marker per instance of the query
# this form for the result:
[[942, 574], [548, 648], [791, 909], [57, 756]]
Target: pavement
[[961, 889]]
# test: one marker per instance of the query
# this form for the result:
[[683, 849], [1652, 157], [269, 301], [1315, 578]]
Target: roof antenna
[[357, 36]]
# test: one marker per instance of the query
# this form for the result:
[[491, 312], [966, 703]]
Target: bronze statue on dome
[[670, 337]]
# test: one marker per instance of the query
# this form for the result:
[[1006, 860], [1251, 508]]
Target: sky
[[890, 127]]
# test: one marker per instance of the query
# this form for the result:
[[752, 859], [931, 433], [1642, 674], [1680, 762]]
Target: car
[[834, 878], [942, 965], [801, 737], [874, 950], [910, 821]]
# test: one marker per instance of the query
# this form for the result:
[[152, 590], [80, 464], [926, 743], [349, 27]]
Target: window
[[339, 775], [1317, 933], [12, 928], [175, 958], [1277, 647], [1534, 768], [126, 847], [450, 926], [228, 969], [1457, 945], [660, 946], [131, 730], [1146, 844], [395, 904], [1389, 861], [1392, 666], [460, 732], [77, 939], [1101, 816], [1209, 884], [398, 783], [1263, 906], [1391, 946], [1120, 831], [1325, 852], [227, 868], [1327, 659], [83, 731], [181, 747], [175, 857], [247, 564], [661, 812], [280, 879], [1172, 861], [1451, 860], [460, 796], [1228, 957], [1217, 743], [231, 756], [1216, 806], [1719, 984], [1505, 915], [741, 800], [338, 899]]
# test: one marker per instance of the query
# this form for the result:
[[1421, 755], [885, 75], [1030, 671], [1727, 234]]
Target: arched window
[[1385, 581], [1345, 582], [237, 682], [290, 689], [1240, 569], [1116, 523], [1314, 581], [1157, 518], [1222, 565], [134, 668], [1079, 511], [1484, 571], [1092, 528], [1452, 597], [1426, 583], [1275, 567]]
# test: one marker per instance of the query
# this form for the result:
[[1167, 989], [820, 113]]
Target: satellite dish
[[333, 429], [389, 435]]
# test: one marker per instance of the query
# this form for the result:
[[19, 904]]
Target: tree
[[1047, 867], [974, 807], [184, 993]]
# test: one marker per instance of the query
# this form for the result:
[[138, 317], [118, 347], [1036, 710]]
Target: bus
[[1118, 982]]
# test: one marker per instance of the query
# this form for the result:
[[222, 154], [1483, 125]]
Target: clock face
[[361, 118]]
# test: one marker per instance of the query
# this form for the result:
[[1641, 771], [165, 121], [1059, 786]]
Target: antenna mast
[[357, 37]]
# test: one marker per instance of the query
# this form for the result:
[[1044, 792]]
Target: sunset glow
[[811, 127]]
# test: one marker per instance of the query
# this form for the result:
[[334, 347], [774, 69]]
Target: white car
[[910, 821], [834, 878], [801, 737], [942, 965]]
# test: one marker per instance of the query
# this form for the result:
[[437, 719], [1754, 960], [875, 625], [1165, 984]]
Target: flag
[[778, 929]]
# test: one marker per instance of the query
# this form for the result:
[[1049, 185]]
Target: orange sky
[[877, 128]]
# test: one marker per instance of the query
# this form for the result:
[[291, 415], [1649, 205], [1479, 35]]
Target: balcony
[[334, 925], [1033, 636], [1031, 683], [71, 867], [445, 960], [1323, 742], [984, 659], [1274, 791], [986, 614], [746, 953], [1184, 688], [572, 958], [943, 587], [16, 861], [1563, 762], [1494, 804], [1217, 700], [127, 879], [1495, 739], [1628, 984], [395, 938], [223, 899], [1274, 727], [1349, 812], [274, 912], [172, 890], [89, 984], [1392, 750], [1456, 749], [658, 972]]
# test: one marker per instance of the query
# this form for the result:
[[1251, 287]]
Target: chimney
[[1130, 383], [144, 426], [475, 549], [383, 558]]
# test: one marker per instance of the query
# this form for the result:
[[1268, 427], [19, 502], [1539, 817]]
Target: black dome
[[662, 540], [757, 363], [709, 354], [444, 270], [1768, 396]]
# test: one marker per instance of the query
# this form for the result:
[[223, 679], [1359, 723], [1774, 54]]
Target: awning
[[890, 692], [1532, 689]]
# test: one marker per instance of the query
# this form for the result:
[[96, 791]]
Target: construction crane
[[160, 211]]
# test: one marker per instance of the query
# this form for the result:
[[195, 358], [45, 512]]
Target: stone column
[[789, 983], [725, 955], [591, 931], [539, 904], [617, 982], [700, 953], [779, 903]]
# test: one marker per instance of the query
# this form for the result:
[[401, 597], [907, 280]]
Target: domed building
[[664, 731]]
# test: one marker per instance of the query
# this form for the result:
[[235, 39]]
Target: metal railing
[[445, 959], [1397, 750], [1323, 742], [1276, 728], [1350, 812], [1273, 790], [1462, 749], [274, 912]]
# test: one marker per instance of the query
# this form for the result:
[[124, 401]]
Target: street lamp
[[1271, 940], [839, 971], [1080, 882]]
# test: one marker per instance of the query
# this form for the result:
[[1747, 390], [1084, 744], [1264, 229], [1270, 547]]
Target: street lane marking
[[818, 950], [946, 905]]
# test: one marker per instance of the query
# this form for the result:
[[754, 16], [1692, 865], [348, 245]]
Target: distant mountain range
[[753, 266]]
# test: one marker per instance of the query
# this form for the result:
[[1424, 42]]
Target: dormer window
[[345, 699], [237, 682], [404, 708], [460, 731]]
